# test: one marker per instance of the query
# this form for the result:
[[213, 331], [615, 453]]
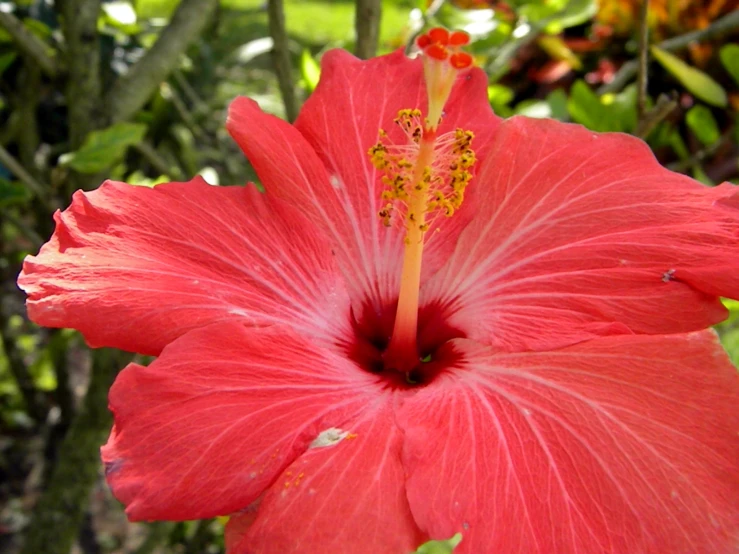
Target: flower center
[[424, 177]]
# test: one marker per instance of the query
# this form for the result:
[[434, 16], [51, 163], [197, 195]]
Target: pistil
[[424, 178]]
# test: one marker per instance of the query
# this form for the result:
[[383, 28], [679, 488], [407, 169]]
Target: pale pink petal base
[[618, 445]]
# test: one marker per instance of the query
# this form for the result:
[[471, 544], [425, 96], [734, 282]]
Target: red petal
[[581, 234], [621, 444], [349, 497], [135, 268], [341, 120], [210, 424]]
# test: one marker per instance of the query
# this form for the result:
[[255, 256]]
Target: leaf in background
[[697, 82], [557, 100], [556, 48], [702, 123], [103, 149], [500, 97], [6, 60], [575, 12], [12, 192], [585, 107], [310, 70], [440, 547], [730, 58], [728, 330]]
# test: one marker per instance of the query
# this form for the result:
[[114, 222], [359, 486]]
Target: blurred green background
[[137, 91]]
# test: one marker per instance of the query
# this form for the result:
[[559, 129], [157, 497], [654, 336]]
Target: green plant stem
[[367, 26], [29, 44], [281, 57], [664, 107], [643, 75], [60, 510]]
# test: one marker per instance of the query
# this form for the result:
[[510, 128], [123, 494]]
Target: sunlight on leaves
[[694, 80]]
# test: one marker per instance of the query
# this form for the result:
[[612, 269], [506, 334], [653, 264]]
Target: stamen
[[424, 177]]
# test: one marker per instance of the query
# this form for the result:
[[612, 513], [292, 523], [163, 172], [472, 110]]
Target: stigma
[[424, 175]]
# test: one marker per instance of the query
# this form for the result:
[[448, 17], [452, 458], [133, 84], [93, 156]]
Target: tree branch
[[29, 44], [281, 57], [367, 25], [722, 26], [79, 24], [61, 508], [135, 88], [642, 76]]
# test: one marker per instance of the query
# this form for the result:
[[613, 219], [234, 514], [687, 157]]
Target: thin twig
[[642, 76], [28, 43], [367, 26], [664, 107], [281, 57], [156, 160], [17, 169], [26, 230], [724, 25], [135, 88]]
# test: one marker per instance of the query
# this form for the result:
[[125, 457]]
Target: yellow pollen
[[441, 183]]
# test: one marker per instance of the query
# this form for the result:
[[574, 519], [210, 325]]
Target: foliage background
[[137, 91]]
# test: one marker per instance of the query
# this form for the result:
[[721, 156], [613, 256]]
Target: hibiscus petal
[[338, 188], [342, 497], [210, 424], [581, 234], [620, 444], [135, 268]]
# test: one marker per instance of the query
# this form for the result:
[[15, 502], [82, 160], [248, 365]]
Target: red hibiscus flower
[[434, 321]]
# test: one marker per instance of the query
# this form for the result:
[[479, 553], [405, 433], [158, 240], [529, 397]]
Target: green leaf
[[730, 58], [585, 107], [105, 148], [310, 70], [557, 100], [13, 193], [500, 97], [440, 547], [694, 80], [702, 123], [6, 60]]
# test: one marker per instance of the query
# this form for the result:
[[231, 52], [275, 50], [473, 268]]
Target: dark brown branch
[[662, 109], [281, 57], [367, 25], [79, 24], [135, 88], [718, 28], [642, 76], [29, 44], [58, 515]]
